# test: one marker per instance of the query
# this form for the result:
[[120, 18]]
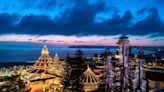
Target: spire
[[56, 58], [45, 50]]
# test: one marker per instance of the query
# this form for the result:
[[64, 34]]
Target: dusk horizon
[[41, 43]]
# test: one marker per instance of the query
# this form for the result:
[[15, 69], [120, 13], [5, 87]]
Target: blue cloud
[[77, 17]]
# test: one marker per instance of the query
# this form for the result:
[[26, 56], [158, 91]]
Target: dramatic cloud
[[151, 24], [82, 18], [81, 21], [7, 22]]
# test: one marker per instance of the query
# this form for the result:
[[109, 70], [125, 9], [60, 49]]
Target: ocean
[[21, 52]]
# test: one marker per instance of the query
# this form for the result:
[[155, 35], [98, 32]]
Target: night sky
[[82, 22]]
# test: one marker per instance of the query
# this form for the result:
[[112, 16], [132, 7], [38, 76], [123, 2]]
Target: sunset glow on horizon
[[96, 40]]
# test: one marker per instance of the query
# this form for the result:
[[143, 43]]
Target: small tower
[[56, 58], [58, 66], [89, 80]]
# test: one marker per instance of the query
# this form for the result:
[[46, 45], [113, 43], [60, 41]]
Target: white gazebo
[[89, 80]]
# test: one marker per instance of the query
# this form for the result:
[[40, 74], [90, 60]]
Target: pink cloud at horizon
[[83, 40]]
